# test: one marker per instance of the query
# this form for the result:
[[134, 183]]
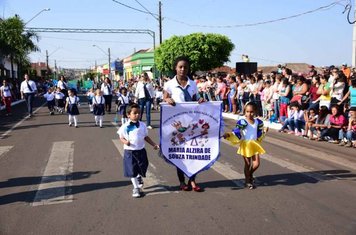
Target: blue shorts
[[135, 163]]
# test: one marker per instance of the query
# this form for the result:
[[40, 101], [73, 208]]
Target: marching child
[[50, 100], [123, 101], [90, 95], [249, 133], [98, 107], [133, 135], [59, 100], [72, 103]]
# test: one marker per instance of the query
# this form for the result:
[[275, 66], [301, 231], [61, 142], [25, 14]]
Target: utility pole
[[109, 63], [354, 40], [47, 63], [160, 22]]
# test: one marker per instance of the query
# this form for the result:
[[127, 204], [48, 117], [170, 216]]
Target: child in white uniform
[[98, 107], [72, 103], [133, 135], [59, 96], [90, 95], [50, 100], [123, 101]]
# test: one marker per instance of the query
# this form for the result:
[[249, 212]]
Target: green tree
[[16, 43], [205, 51]]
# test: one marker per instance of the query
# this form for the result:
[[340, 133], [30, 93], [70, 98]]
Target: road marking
[[225, 169], [152, 184], [289, 165], [19, 123], [54, 182], [4, 150], [312, 153]]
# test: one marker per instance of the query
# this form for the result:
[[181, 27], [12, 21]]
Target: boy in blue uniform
[[133, 135]]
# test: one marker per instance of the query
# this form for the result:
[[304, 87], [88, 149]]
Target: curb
[[275, 126], [12, 104]]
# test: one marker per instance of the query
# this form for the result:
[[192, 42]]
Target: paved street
[[56, 179]]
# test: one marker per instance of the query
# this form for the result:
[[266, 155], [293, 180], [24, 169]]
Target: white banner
[[190, 135]]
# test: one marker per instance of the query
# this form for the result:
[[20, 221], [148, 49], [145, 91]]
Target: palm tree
[[17, 43]]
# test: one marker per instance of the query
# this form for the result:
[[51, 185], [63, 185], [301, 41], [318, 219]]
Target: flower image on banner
[[190, 135]]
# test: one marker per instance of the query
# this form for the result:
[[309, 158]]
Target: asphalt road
[[56, 179]]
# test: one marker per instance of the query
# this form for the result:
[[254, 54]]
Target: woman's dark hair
[[294, 104], [285, 81], [123, 89], [181, 58], [301, 78], [108, 79], [337, 107], [323, 112], [353, 81], [317, 78], [233, 78]]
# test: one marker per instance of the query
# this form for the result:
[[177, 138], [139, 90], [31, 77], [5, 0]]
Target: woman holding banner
[[182, 89]]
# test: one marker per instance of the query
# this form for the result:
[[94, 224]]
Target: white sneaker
[[136, 193], [149, 127]]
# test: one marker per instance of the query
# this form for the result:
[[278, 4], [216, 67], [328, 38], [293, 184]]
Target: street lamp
[[108, 54], [45, 9]]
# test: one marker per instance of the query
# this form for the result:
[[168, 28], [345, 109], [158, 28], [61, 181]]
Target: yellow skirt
[[248, 148]]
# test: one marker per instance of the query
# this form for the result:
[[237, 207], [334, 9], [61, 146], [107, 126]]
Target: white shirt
[[6, 91], [62, 85], [172, 88], [73, 100], [250, 132], [136, 137], [140, 91], [159, 94], [58, 95], [24, 87], [106, 89], [98, 100], [125, 100], [49, 96]]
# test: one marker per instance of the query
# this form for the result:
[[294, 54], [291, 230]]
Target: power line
[[325, 7], [147, 10]]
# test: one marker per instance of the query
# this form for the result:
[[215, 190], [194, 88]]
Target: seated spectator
[[295, 122], [310, 118], [320, 127], [337, 121], [350, 131]]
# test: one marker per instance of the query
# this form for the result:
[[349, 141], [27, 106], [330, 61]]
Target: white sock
[[101, 120], [75, 120], [134, 182], [96, 120], [70, 119]]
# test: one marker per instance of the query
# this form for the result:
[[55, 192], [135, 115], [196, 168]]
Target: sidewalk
[[275, 126], [12, 104]]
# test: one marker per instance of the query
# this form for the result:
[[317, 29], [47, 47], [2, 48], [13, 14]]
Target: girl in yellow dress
[[249, 133]]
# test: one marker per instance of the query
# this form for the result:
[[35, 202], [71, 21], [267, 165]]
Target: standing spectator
[[6, 94], [337, 92], [266, 98], [145, 94], [284, 99], [107, 90], [312, 93], [275, 96], [347, 72], [351, 93], [28, 90], [220, 90], [324, 92], [300, 91], [232, 94]]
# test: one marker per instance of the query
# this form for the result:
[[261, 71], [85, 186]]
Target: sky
[[321, 38]]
